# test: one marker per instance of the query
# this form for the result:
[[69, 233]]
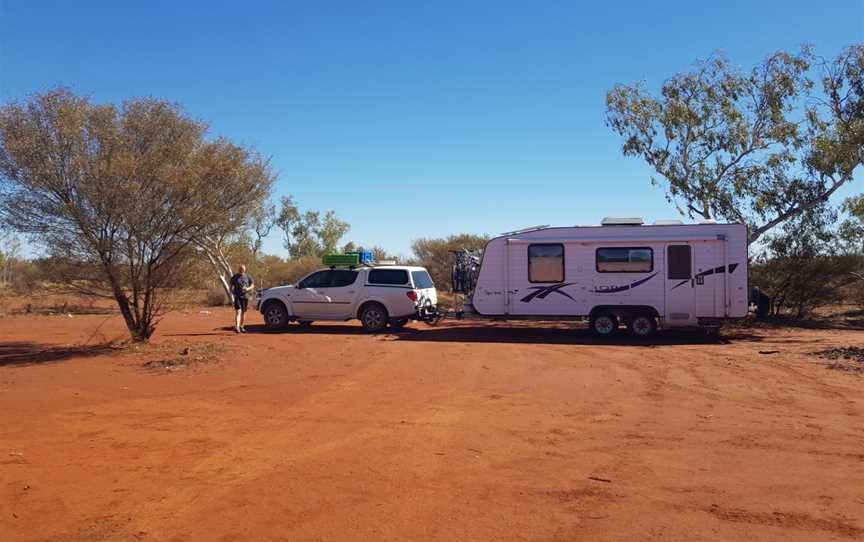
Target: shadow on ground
[[845, 320], [21, 354], [76, 310], [554, 334]]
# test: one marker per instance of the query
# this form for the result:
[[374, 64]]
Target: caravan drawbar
[[622, 272]]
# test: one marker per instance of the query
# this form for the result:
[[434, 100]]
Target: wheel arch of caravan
[[625, 312]]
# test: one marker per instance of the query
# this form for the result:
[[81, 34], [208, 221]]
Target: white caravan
[[620, 273]]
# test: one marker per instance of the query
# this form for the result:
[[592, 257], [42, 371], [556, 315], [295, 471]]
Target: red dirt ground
[[460, 432]]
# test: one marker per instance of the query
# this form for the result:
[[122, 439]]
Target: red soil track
[[459, 432]]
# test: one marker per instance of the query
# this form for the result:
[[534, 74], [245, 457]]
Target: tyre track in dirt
[[288, 443]]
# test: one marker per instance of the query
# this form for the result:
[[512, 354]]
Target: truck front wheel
[[275, 315]]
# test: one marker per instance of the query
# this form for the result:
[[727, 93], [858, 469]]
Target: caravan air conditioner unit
[[622, 221]]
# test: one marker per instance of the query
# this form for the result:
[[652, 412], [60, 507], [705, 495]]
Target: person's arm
[[251, 284]]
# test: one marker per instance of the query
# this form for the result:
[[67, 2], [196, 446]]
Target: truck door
[[680, 298], [341, 294], [309, 299]]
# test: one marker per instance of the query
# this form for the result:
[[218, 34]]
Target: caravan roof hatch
[[622, 221]]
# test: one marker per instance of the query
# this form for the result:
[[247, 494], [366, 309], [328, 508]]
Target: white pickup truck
[[377, 295]]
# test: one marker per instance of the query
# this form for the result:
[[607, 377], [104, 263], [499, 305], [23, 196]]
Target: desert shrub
[[270, 270], [216, 297], [797, 286], [290, 271], [801, 267], [20, 276], [436, 255]]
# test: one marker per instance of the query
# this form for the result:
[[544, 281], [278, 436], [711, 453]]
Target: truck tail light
[[412, 295]]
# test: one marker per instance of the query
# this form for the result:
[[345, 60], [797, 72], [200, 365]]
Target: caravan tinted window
[[678, 262], [546, 263], [625, 260], [388, 276]]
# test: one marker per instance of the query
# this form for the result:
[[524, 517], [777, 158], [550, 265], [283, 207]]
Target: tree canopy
[[309, 233], [757, 147], [122, 193]]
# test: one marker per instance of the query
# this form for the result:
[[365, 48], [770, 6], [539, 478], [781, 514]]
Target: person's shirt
[[239, 283]]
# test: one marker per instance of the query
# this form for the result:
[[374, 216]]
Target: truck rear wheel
[[374, 317], [603, 325]]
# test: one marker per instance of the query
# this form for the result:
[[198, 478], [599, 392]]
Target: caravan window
[[678, 262], [625, 260], [546, 263]]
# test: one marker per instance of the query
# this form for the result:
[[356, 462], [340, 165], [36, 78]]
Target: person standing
[[241, 285]]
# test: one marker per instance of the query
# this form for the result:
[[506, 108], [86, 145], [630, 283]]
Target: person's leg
[[237, 313], [244, 304]]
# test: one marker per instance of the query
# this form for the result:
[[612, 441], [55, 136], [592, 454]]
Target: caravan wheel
[[604, 325], [643, 326]]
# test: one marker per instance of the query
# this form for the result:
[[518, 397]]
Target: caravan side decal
[[542, 291], [703, 274], [614, 289]]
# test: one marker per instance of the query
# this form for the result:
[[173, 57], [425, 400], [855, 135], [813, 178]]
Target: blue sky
[[412, 120]]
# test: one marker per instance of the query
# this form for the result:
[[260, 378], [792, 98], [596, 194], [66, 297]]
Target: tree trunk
[[217, 259], [223, 280], [139, 330], [132, 324]]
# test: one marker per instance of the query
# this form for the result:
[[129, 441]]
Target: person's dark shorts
[[241, 303]]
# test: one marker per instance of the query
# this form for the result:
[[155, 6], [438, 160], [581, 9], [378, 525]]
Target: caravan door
[[680, 287]]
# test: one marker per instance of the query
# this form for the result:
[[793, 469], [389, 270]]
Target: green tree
[[852, 235], [852, 227], [309, 234], [801, 265], [732, 145], [120, 194]]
